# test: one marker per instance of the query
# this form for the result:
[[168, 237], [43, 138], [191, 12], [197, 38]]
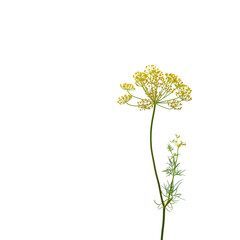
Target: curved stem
[[134, 96], [155, 170], [132, 105], [165, 107], [168, 100], [154, 165]]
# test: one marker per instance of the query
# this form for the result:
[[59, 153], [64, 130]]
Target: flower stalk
[[154, 164], [155, 171]]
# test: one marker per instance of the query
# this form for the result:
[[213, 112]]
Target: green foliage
[[170, 189]]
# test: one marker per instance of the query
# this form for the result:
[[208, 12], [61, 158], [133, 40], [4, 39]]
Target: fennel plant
[[167, 91]]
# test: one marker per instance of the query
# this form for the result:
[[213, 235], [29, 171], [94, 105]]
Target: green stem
[[133, 95], [165, 107], [154, 165], [175, 163], [155, 170], [163, 223], [132, 105]]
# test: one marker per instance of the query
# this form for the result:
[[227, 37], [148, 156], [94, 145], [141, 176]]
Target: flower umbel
[[127, 86], [160, 88], [178, 144], [124, 99]]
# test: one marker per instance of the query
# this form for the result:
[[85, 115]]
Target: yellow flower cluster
[[178, 144], [141, 79], [184, 93], [174, 104], [127, 86], [159, 88], [145, 104], [150, 80], [124, 99], [182, 90]]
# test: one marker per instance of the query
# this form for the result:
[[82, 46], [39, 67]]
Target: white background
[[74, 164]]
